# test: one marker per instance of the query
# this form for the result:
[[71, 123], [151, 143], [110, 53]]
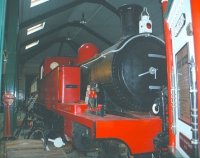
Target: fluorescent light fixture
[[37, 2], [35, 28], [32, 44]]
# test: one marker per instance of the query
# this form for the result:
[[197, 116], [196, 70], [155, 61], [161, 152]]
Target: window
[[35, 28], [32, 44], [37, 2]]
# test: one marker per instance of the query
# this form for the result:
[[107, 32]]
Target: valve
[[152, 71]]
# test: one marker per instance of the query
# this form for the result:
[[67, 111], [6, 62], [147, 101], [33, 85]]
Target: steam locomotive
[[133, 70], [124, 82]]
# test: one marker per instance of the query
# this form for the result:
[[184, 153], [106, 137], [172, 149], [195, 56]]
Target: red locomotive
[[102, 102], [122, 84]]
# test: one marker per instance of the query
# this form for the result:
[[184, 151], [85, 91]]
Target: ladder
[[28, 109], [31, 101]]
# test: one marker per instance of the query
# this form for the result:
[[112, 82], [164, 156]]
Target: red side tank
[[60, 83]]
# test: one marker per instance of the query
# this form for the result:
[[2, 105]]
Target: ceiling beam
[[38, 50], [50, 13], [97, 35], [68, 24], [71, 43], [106, 5], [60, 49], [64, 8]]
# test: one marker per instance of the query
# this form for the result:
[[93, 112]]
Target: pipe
[[164, 122], [194, 109], [196, 35], [195, 9]]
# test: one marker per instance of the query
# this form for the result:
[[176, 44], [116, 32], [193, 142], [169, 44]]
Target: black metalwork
[[66, 7]]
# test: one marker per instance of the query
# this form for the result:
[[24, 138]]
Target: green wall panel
[[11, 35], [2, 29]]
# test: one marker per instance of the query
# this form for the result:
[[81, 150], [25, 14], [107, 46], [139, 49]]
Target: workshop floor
[[24, 149], [15, 149]]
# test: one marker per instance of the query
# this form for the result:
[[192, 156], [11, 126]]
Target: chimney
[[130, 17]]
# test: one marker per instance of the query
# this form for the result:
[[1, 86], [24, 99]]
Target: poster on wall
[[182, 66]]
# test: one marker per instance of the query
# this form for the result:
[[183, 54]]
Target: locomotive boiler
[[133, 70], [129, 76]]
